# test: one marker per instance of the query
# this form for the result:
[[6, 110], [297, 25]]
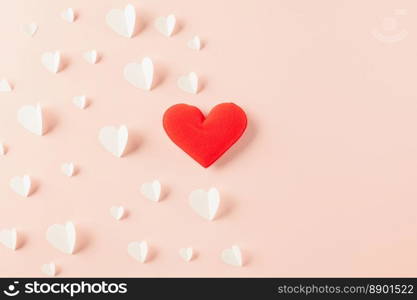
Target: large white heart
[[140, 74], [151, 190], [186, 254], [49, 269], [138, 250], [165, 25], [8, 237], [232, 256], [51, 61], [62, 237], [21, 185], [189, 83], [30, 117], [205, 203], [114, 139], [122, 21]]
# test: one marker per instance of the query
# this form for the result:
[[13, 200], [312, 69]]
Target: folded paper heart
[[205, 204], [122, 21], [62, 237], [232, 256], [205, 139], [49, 269], [186, 254], [138, 250], [8, 237], [151, 190], [117, 212]]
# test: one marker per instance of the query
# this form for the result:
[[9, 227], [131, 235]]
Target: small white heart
[[30, 117], [21, 185], [140, 74], [3, 149], [114, 139], [49, 269], [232, 256], [8, 237], [138, 250], [51, 61], [91, 56], [189, 83], [68, 15], [122, 21], [151, 190], [29, 29], [165, 25], [68, 169], [80, 101], [186, 254], [205, 203], [194, 43], [117, 212], [5, 86], [62, 237]]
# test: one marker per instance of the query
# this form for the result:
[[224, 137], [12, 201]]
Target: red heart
[[205, 139]]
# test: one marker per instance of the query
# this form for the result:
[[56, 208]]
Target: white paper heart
[[8, 237], [114, 139], [91, 56], [232, 256], [5, 86], [117, 212], [122, 21], [3, 149], [49, 269], [189, 83], [205, 203], [186, 254], [21, 185], [80, 101], [194, 43], [165, 25], [30, 117], [68, 15], [62, 237], [138, 250], [140, 74], [151, 190], [29, 29], [51, 61], [68, 169]]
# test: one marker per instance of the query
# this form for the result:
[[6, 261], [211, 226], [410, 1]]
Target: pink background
[[323, 183]]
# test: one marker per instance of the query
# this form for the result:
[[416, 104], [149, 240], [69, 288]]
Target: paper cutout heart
[[51, 61], [30, 29], [8, 237], [68, 15], [114, 139], [166, 25], [194, 43], [140, 74], [80, 101], [186, 254], [3, 149], [5, 86], [232, 256], [138, 250], [205, 139], [205, 203], [117, 212], [68, 169], [30, 117], [21, 185], [49, 269], [189, 83], [91, 56], [62, 237], [122, 21], [151, 190]]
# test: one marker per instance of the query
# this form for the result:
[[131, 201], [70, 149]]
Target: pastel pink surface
[[321, 184]]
